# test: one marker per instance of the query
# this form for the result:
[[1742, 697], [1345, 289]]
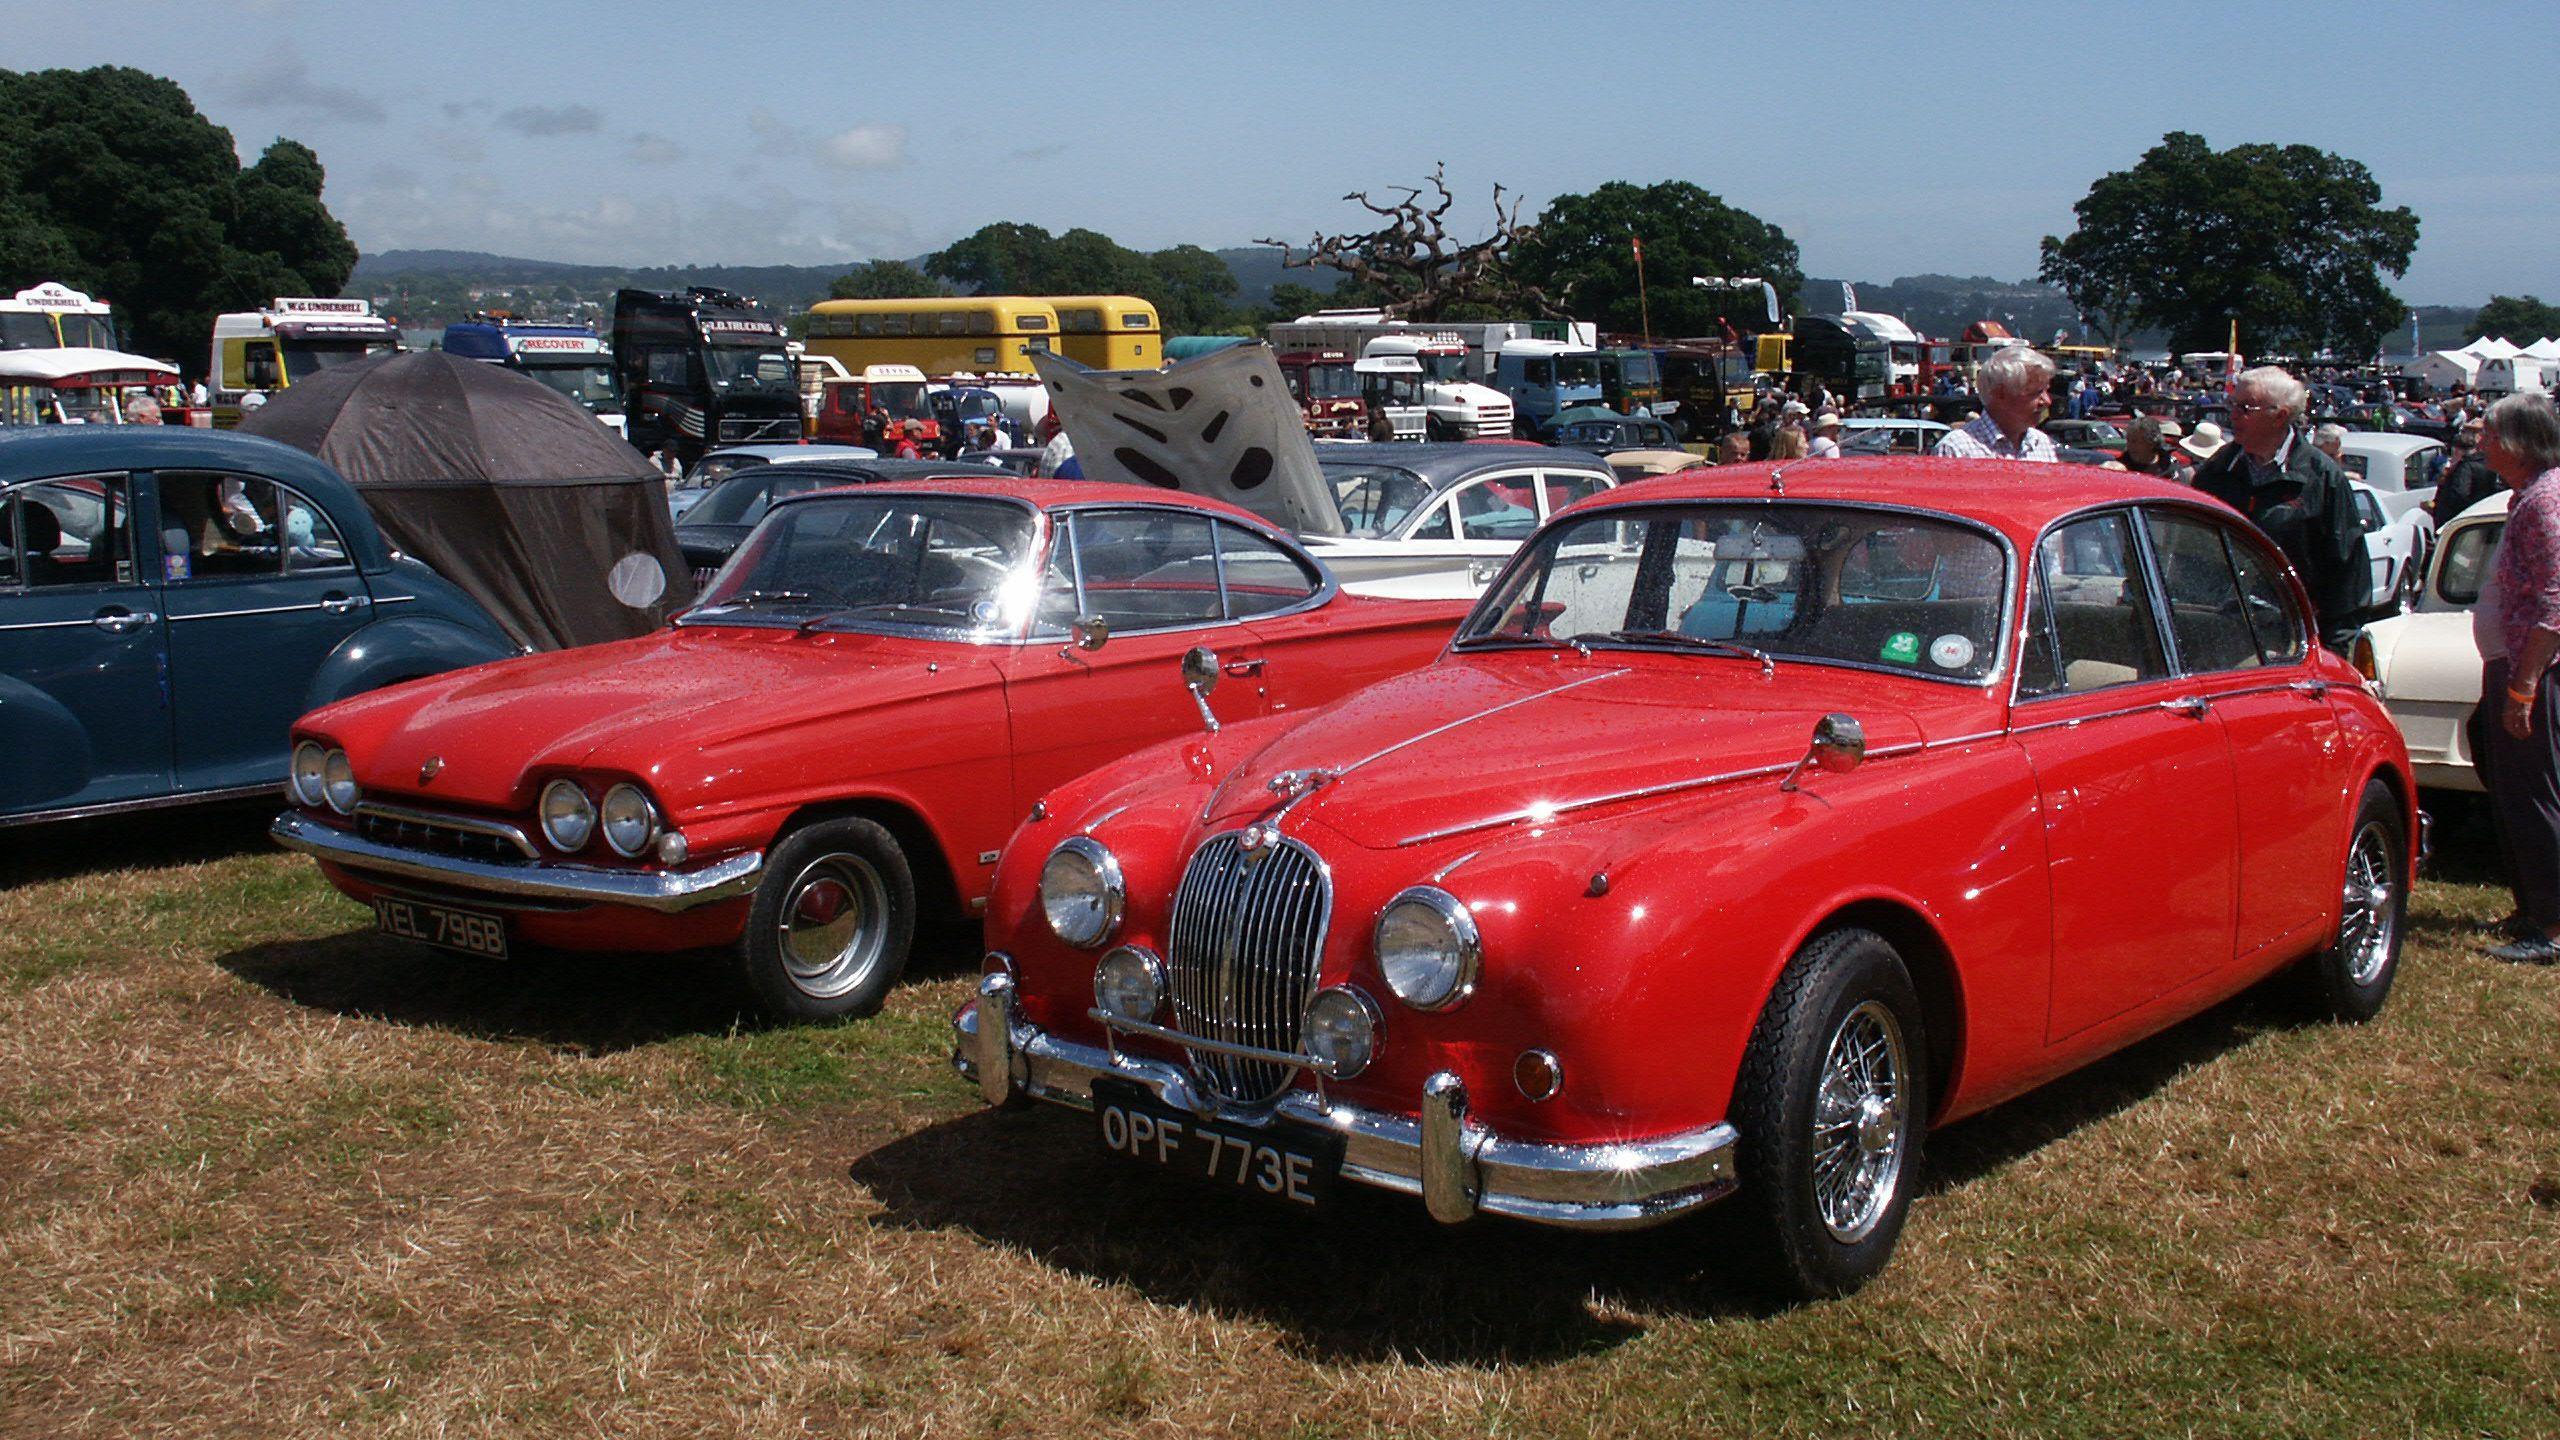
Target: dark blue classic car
[[172, 599]]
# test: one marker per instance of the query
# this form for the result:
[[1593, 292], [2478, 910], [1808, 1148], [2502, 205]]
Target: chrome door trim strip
[[147, 802], [89, 623], [237, 614]]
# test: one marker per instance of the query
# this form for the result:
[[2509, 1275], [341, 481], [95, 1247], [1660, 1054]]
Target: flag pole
[[1644, 302]]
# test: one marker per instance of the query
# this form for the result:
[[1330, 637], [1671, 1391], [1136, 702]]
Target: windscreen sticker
[[1951, 652], [1902, 647]]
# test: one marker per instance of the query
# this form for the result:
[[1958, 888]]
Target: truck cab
[[294, 339], [53, 316], [897, 391], [1456, 407], [700, 368], [1545, 377], [571, 359], [1329, 392], [1391, 385], [1630, 381]]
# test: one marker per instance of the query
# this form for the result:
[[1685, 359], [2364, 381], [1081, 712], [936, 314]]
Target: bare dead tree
[[1412, 260]]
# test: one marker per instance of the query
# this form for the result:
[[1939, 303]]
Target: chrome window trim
[[2140, 551]]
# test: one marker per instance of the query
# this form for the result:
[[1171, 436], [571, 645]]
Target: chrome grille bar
[[1247, 935]]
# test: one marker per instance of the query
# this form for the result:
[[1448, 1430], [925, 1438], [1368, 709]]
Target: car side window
[[2206, 614], [1496, 508], [2089, 621], [1260, 576], [1435, 525], [1146, 569], [2275, 626], [214, 524], [73, 531], [1562, 488]]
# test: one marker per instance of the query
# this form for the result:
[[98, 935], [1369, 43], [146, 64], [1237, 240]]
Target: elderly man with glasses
[[2294, 493]]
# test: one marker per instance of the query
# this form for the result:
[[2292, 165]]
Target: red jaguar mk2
[[1753, 824], [838, 738]]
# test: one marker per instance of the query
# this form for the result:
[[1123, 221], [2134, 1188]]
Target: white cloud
[[281, 80], [650, 149], [866, 147], [552, 120]]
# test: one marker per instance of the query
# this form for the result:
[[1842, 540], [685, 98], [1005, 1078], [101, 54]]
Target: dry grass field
[[264, 1174]]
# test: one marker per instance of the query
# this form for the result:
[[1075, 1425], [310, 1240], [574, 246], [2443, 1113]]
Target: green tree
[[1583, 253], [1193, 291], [885, 280], [111, 182], [2520, 318], [2290, 241], [999, 259]]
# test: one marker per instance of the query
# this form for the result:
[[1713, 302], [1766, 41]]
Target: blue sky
[[1886, 139]]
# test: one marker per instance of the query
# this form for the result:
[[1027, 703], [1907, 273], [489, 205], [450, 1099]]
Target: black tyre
[[1831, 1103], [832, 923], [2351, 979], [1434, 428]]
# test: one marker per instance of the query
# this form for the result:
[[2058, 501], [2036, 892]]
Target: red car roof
[[2014, 496]]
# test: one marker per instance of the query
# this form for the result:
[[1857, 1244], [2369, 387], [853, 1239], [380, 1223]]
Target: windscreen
[[903, 400], [589, 383], [1374, 499], [1332, 382], [1876, 588], [750, 367], [95, 331], [912, 562], [22, 330], [304, 358], [744, 499]]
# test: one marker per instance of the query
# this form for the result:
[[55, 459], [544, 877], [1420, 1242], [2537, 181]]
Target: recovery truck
[[571, 359]]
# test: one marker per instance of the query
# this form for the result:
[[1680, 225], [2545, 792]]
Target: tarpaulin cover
[[500, 484], [1221, 425]]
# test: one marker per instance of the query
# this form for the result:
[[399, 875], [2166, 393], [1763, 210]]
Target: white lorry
[[1454, 360]]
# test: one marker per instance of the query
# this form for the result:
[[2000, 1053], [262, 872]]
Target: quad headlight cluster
[[1428, 949], [1081, 893], [322, 776], [627, 819]]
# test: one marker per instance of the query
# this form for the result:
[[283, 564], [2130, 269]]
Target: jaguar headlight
[[310, 774], [1340, 1030], [338, 782], [1129, 984], [1081, 893], [630, 821], [568, 816], [1428, 950]]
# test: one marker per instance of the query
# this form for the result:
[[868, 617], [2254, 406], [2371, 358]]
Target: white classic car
[[2395, 549], [2394, 465], [2424, 666]]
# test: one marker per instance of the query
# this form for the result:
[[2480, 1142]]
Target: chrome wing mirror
[[1091, 632], [1839, 746], [1200, 676]]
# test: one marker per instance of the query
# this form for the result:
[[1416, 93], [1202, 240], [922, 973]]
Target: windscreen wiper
[[766, 597], [1543, 642], [1696, 642]]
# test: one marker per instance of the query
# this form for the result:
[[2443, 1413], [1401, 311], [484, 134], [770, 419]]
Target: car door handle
[[2191, 706], [342, 604], [119, 622], [2316, 689], [1244, 667]]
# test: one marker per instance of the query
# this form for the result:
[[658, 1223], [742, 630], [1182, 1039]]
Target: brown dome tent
[[501, 485]]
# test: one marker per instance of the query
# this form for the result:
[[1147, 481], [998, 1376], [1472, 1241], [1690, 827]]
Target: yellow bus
[[1109, 332], [981, 334]]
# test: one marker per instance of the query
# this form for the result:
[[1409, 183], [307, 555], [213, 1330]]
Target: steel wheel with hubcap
[[831, 925], [1830, 1102]]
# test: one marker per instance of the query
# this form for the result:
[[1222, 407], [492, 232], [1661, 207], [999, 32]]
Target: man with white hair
[[2294, 493], [2016, 386]]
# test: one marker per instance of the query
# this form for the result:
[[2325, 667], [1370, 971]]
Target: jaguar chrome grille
[[1248, 932], [463, 836]]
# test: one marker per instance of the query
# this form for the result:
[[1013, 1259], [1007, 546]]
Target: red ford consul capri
[[837, 738], [1753, 824]]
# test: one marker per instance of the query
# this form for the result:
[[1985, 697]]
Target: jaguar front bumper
[[665, 891], [1440, 1153]]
